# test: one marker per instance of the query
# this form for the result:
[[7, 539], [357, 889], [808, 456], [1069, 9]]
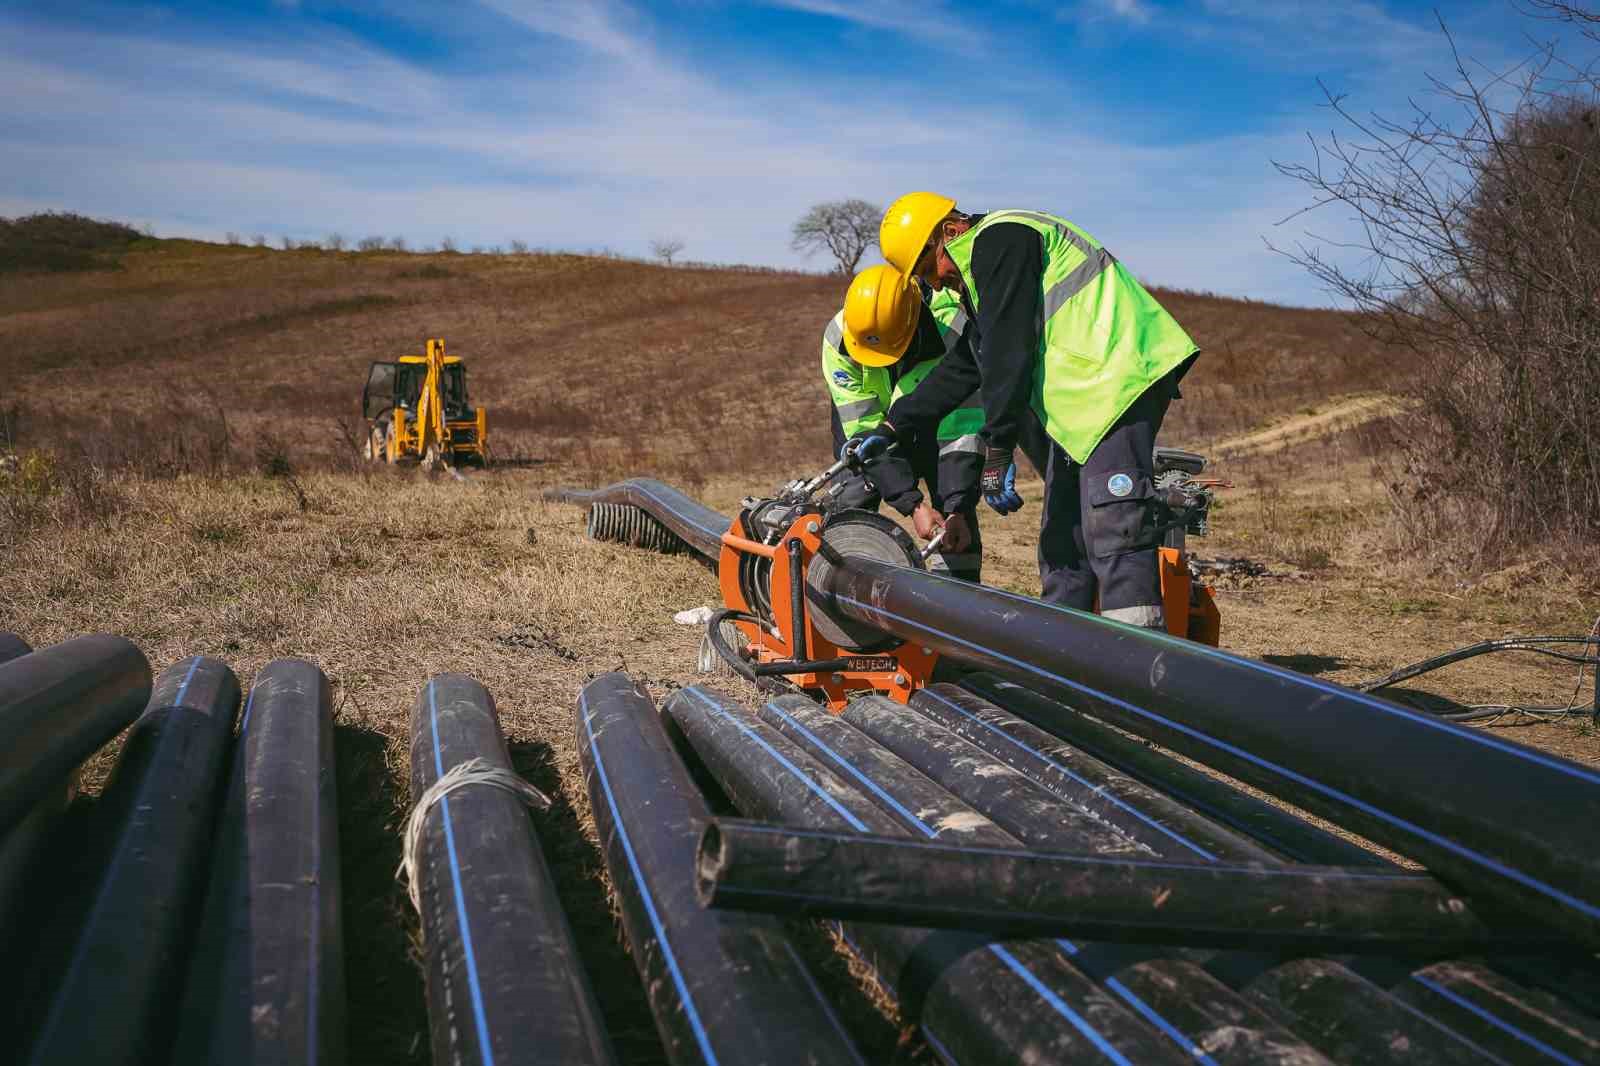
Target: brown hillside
[[608, 363]]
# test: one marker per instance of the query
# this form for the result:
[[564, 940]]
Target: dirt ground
[[384, 577]]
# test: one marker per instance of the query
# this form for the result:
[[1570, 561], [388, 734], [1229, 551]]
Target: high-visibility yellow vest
[[1104, 341], [863, 394]]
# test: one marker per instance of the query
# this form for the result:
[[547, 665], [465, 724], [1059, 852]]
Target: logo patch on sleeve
[[1120, 484], [843, 378]]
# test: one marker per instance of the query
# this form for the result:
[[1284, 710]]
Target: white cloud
[[623, 142]]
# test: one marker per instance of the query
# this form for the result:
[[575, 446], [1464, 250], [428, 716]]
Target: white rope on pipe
[[471, 772]]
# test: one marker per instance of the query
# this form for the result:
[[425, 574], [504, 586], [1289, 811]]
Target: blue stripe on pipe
[[194, 664], [871, 785], [1148, 1012], [478, 1015], [1587, 909], [855, 823], [1499, 1023], [1097, 789], [1429, 721], [667, 954], [1059, 1006], [938, 1047]]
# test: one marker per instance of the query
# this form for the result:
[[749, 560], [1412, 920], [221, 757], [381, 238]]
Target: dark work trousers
[[1098, 532], [927, 465]]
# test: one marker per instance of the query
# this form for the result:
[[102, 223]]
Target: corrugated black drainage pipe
[[505, 983], [266, 984], [58, 706], [114, 1001], [725, 989]]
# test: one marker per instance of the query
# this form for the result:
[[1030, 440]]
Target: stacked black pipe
[[977, 1002], [724, 988], [114, 1002], [1355, 1010], [505, 984], [267, 980]]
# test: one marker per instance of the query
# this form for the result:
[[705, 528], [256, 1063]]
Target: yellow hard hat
[[880, 316], [907, 225]]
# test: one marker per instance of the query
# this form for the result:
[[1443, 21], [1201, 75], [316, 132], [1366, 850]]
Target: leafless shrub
[[1479, 253], [845, 229], [664, 248], [272, 460], [370, 244]]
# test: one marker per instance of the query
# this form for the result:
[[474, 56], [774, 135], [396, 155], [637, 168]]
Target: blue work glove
[[999, 483], [867, 448]]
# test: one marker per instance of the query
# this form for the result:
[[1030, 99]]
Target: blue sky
[[603, 124]]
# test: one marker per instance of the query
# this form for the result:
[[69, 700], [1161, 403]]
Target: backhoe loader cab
[[417, 409]]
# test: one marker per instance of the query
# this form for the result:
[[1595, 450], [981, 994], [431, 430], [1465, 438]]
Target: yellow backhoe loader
[[416, 410]]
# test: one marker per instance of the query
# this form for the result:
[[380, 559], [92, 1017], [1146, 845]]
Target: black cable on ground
[[1492, 713]]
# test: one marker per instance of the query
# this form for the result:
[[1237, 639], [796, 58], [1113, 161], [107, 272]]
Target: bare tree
[[1478, 251], [447, 244], [259, 240], [232, 238], [519, 247], [397, 244], [664, 248], [370, 244], [334, 242], [845, 229], [287, 242]]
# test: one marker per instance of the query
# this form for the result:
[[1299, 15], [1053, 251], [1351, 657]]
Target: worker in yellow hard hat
[[1060, 328], [884, 341]]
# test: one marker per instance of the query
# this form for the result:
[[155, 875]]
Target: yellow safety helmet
[[907, 225], [880, 316]]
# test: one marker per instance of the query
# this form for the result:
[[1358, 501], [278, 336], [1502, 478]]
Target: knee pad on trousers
[[1120, 514]]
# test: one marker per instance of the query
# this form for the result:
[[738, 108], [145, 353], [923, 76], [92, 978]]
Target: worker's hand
[[999, 484], [925, 520], [866, 448], [957, 534]]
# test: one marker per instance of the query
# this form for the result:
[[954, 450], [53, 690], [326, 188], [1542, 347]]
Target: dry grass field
[[187, 481]]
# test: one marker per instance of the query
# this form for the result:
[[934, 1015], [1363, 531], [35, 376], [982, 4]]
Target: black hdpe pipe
[[505, 982], [113, 1002], [58, 706], [1010, 892], [1028, 812], [976, 1002], [1185, 998], [1215, 800], [696, 525], [903, 791], [266, 983], [12, 647], [1159, 822], [1479, 820], [724, 988]]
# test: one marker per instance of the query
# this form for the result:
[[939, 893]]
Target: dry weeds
[[595, 368]]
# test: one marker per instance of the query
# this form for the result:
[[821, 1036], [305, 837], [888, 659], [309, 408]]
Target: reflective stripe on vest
[[951, 317], [860, 394], [1103, 339]]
